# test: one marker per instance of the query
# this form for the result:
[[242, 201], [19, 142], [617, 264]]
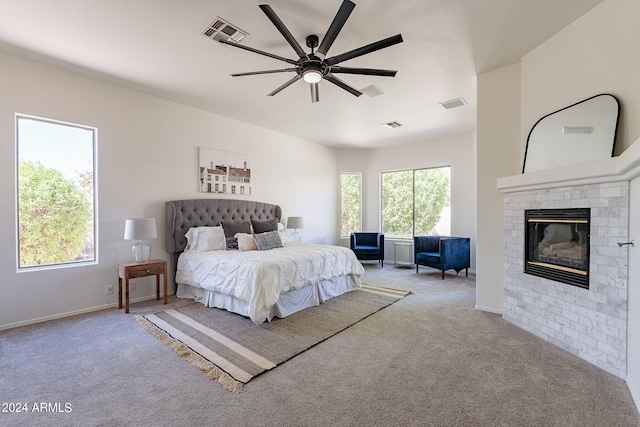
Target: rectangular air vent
[[391, 125], [454, 103], [371, 91], [221, 29]]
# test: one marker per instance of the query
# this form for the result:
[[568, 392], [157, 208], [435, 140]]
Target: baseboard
[[54, 317], [489, 309], [635, 392], [75, 312]]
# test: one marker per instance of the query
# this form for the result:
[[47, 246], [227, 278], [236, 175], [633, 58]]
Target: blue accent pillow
[[269, 240]]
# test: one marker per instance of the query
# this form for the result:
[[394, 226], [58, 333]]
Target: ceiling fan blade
[[287, 84], [250, 49], [335, 27], [283, 29], [314, 92], [252, 73], [365, 49], [336, 81], [364, 71]]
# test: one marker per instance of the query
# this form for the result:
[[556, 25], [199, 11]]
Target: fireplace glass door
[[557, 245]]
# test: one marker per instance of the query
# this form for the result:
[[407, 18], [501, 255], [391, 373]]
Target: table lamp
[[295, 223], [140, 229]]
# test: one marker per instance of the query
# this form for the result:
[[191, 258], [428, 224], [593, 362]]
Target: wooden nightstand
[[133, 270]]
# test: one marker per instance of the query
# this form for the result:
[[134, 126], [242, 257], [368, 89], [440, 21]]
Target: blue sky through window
[[66, 148]]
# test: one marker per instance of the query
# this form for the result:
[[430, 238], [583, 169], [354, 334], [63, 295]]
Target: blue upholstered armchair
[[368, 246], [443, 253]]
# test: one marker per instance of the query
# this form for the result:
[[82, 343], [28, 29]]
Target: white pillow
[[210, 239], [246, 242], [192, 239]]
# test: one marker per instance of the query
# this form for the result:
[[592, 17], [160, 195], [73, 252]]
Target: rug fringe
[[212, 371]]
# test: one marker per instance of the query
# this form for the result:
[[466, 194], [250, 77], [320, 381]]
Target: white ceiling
[[156, 46]]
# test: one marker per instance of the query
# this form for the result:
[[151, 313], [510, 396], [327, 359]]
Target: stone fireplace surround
[[590, 323]]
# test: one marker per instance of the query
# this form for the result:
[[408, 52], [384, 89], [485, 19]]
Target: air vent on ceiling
[[371, 91], [391, 125], [221, 29], [458, 102]]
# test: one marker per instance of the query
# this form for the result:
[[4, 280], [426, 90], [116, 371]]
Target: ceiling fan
[[315, 66]]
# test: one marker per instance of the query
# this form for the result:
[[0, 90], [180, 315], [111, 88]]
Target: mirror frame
[[615, 132]]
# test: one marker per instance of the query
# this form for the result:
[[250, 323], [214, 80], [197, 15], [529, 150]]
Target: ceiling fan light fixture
[[312, 76]]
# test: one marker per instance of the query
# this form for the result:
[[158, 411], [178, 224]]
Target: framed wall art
[[221, 172]]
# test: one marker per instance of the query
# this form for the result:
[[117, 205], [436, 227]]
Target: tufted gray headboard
[[184, 214]]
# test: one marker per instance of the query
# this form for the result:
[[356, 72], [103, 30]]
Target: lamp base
[[141, 251]]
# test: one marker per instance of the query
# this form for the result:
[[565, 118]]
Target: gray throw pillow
[[268, 240]]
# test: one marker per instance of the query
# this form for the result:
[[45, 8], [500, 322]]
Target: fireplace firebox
[[557, 245]]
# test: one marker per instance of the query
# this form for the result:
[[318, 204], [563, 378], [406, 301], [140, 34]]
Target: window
[[350, 190], [416, 203], [55, 194]]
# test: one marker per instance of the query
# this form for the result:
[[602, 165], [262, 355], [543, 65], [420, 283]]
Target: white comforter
[[259, 277]]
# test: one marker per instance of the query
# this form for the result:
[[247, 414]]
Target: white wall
[[598, 53], [498, 154], [456, 151], [147, 154], [595, 54]]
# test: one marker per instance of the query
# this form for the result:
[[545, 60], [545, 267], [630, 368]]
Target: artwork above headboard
[[184, 214]]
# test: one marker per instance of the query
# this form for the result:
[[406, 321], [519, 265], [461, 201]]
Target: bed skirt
[[287, 304]]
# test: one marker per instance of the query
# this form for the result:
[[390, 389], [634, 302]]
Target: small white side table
[[404, 246]]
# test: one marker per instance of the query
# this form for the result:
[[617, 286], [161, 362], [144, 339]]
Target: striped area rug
[[232, 350]]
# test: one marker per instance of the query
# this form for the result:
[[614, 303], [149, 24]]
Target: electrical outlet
[[108, 290], [132, 285]]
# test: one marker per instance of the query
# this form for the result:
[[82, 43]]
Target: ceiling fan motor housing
[[313, 64]]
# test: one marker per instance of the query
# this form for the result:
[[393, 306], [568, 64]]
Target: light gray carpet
[[428, 360]]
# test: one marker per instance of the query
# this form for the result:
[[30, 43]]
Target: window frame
[[359, 174], [94, 199], [413, 197]]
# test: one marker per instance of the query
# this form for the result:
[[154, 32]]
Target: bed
[[275, 281]]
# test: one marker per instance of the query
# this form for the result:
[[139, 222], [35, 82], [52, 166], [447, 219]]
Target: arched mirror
[[579, 133]]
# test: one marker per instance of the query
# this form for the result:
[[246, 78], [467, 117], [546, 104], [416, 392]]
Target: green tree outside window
[[413, 201], [350, 194]]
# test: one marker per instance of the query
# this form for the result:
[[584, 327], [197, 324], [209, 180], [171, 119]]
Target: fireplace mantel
[[614, 169]]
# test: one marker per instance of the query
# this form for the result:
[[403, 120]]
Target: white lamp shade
[[295, 222], [140, 229]]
